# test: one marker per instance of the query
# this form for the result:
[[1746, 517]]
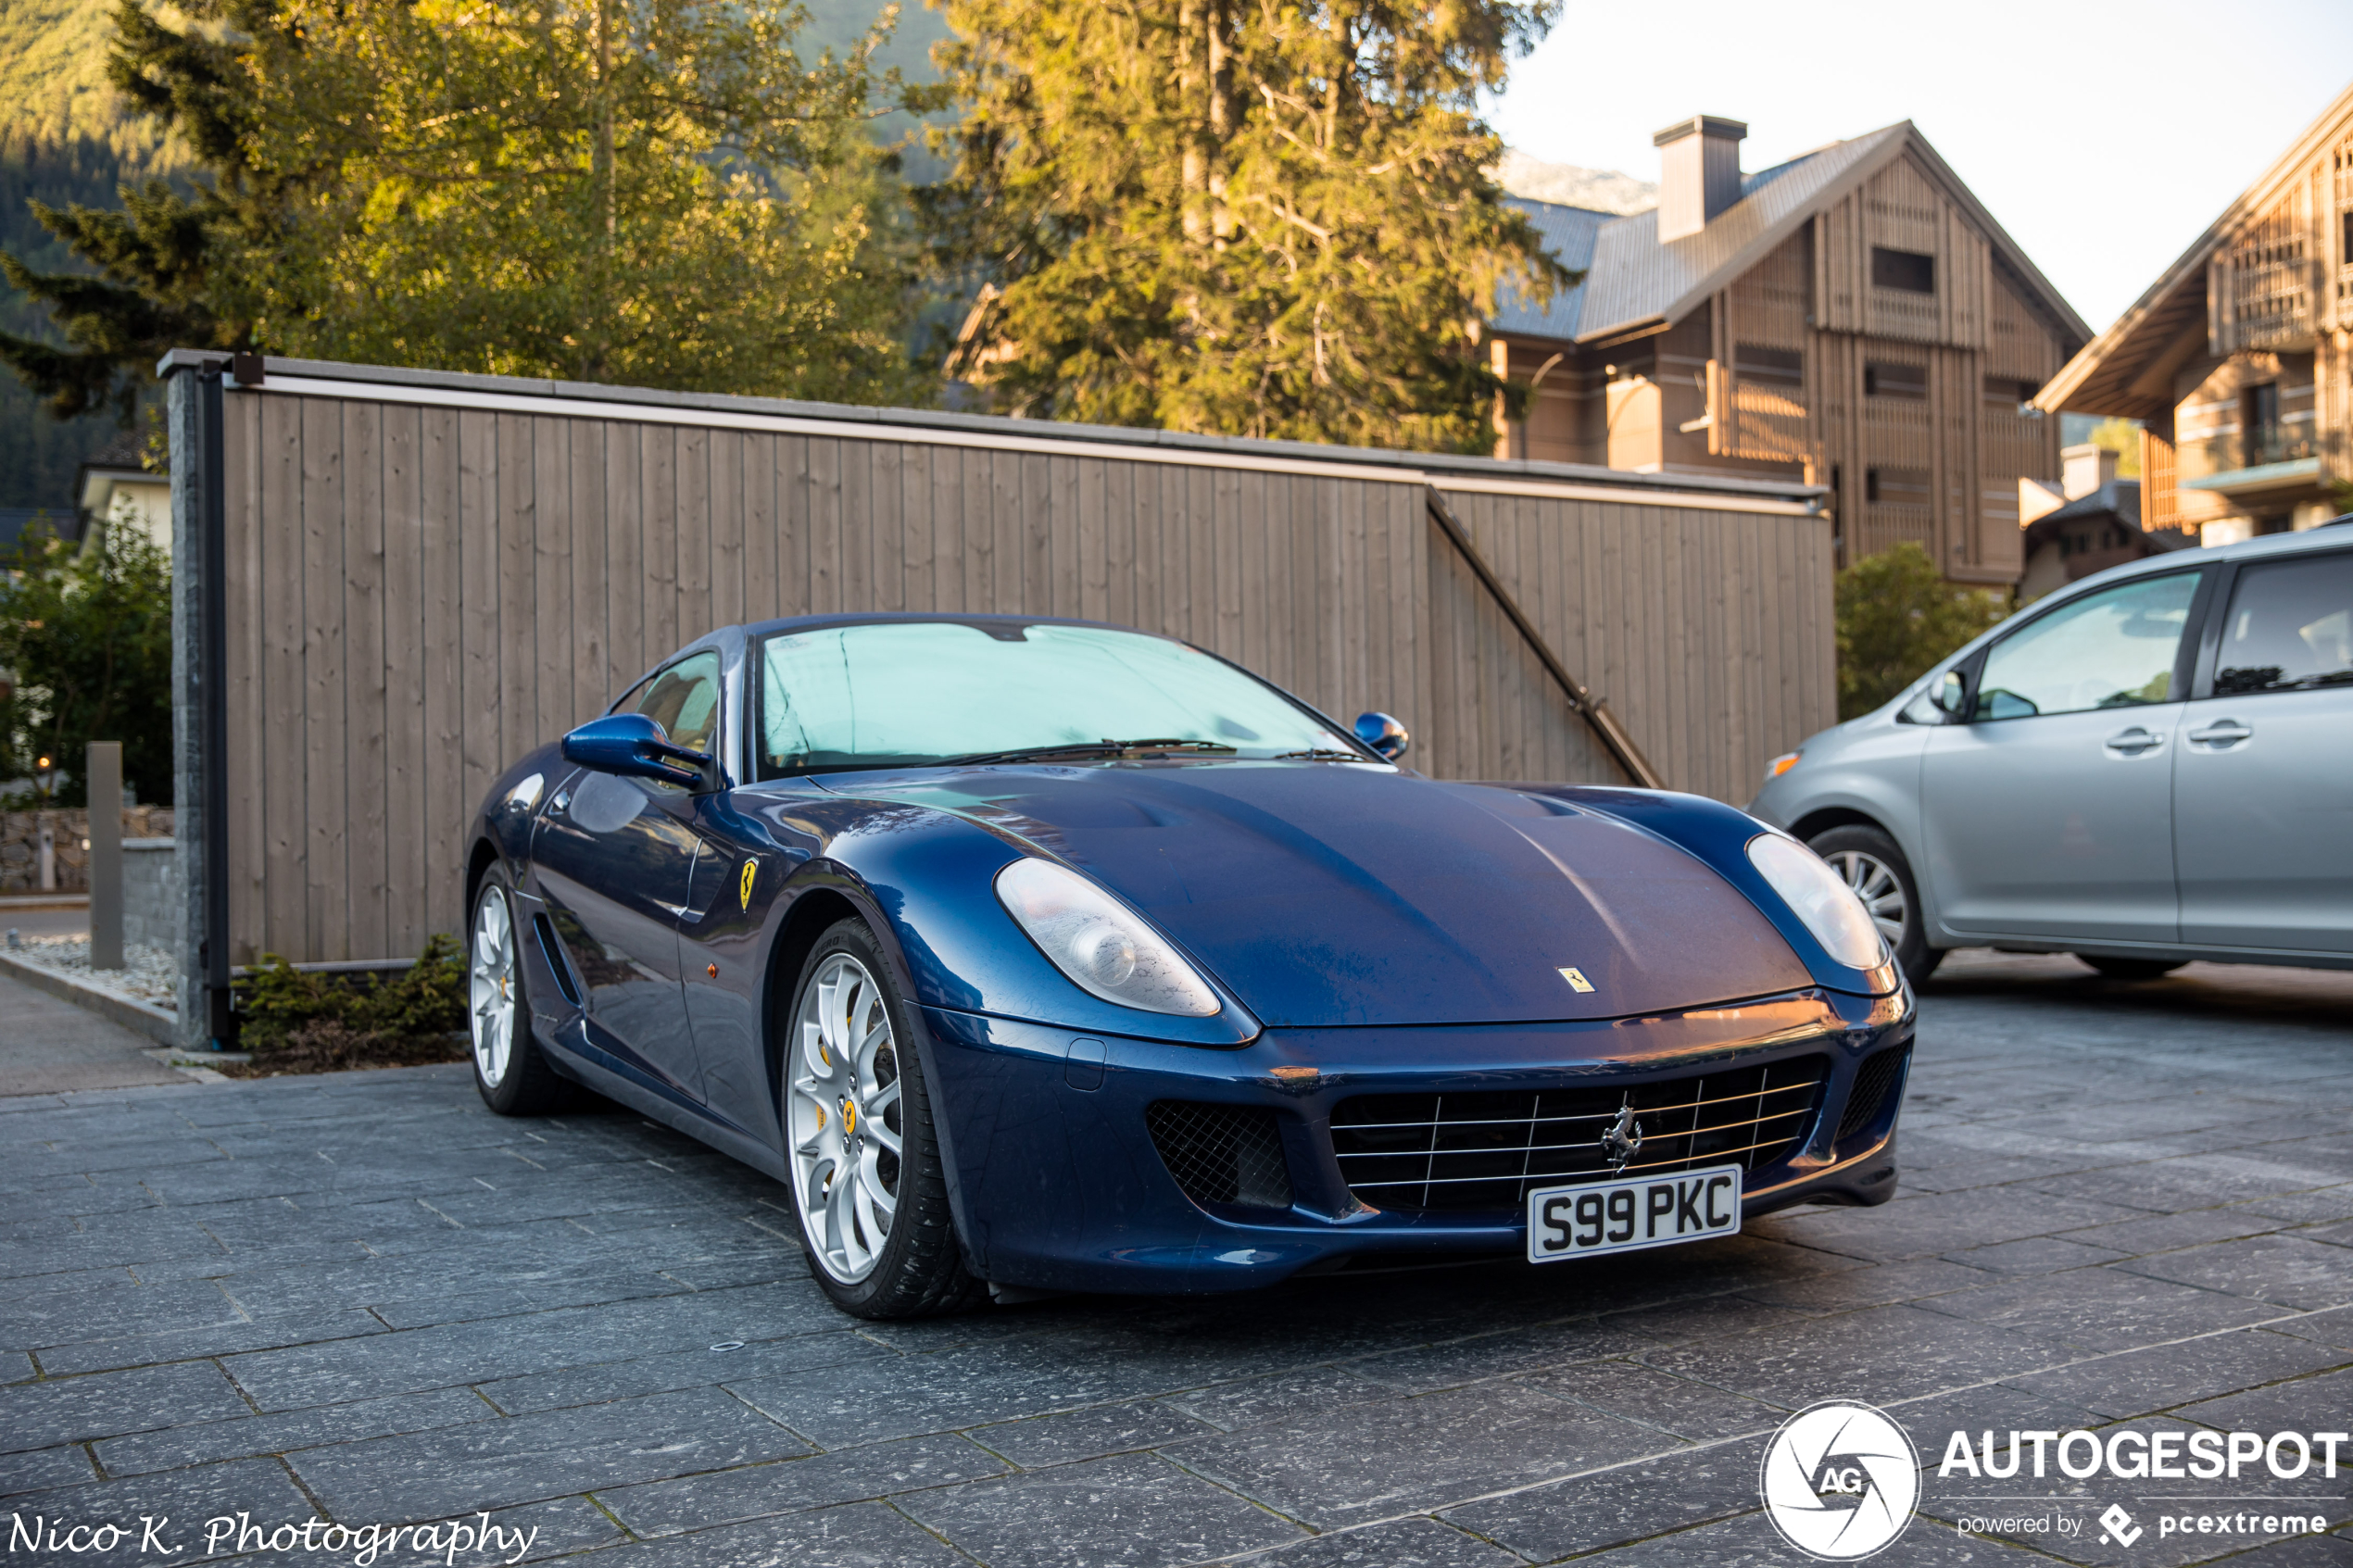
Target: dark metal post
[[104, 777], [200, 715]]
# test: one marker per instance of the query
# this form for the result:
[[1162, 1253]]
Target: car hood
[[1335, 894]]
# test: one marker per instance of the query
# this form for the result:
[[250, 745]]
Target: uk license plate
[[1633, 1213]]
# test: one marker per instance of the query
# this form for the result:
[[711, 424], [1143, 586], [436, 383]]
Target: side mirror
[[634, 748], [1951, 695], [1383, 734]]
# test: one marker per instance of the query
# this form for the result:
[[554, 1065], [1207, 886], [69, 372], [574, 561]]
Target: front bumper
[[1060, 1185]]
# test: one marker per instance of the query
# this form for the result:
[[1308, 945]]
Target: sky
[[2103, 138]]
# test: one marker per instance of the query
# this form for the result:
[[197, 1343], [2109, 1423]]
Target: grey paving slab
[[1048, 1440], [1256, 1402], [203, 1442], [35, 1470], [71, 1410], [2294, 1402], [1413, 1455], [702, 1367], [1948, 1222], [1135, 1512], [2040, 1255], [865, 1534], [1878, 1284], [1650, 1397], [1403, 1543], [178, 1504], [2099, 1309], [2143, 1382], [2287, 1270], [497, 1463], [1894, 1352], [793, 1486], [223, 1338], [1625, 1503]]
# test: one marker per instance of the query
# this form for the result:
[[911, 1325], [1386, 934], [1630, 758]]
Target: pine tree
[[162, 257], [1265, 219]]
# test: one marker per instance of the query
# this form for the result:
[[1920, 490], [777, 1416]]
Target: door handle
[[2134, 740], [2220, 734]]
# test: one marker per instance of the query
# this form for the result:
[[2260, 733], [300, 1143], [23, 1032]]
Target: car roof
[[2322, 536]]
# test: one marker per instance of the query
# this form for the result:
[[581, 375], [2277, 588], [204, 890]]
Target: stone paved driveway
[[362, 1299]]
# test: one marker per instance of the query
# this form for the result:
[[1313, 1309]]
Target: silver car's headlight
[[1103, 945], [1826, 905]]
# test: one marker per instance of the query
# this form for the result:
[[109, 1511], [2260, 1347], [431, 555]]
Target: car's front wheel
[[511, 1074], [1868, 861], [869, 1187]]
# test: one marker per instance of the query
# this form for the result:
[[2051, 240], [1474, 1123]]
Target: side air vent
[[553, 951], [1221, 1153], [1879, 1077]]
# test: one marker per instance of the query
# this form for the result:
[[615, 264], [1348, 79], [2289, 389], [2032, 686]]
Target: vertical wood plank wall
[[418, 595]]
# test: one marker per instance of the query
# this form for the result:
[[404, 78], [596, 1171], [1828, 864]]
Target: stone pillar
[[104, 777]]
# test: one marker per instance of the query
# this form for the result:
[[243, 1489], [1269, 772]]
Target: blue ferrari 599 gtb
[[1042, 955]]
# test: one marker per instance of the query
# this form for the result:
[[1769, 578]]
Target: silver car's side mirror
[[1383, 734], [1951, 695]]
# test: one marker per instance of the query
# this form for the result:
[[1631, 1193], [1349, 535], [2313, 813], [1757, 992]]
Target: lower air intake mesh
[[1879, 1077], [1221, 1153]]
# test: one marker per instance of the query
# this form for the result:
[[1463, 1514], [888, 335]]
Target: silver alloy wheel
[[844, 1118], [1876, 884], [492, 985]]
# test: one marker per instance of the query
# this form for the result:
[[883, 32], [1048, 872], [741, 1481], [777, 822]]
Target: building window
[[1905, 270], [2010, 389], [2259, 423], [1895, 487], [1909, 381], [1785, 366]]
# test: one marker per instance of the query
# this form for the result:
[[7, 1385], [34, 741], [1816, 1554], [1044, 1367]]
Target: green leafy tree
[[662, 193], [1243, 219], [87, 635], [2124, 438], [1895, 616]]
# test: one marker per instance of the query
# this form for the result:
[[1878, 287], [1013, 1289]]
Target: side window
[[683, 699], [2290, 627], [2109, 649]]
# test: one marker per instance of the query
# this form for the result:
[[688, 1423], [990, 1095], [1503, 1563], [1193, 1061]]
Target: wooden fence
[[421, 577]]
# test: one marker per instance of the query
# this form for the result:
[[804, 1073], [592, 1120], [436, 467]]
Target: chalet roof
[[2111, 374], [1633, 282]]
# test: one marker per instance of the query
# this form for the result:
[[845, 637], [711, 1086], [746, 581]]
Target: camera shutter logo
[[1839, 1480]]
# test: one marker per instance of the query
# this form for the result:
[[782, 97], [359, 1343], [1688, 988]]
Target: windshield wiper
[[1322, 754], [1086, 748]]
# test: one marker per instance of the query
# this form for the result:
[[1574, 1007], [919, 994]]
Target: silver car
[[2150, 766]]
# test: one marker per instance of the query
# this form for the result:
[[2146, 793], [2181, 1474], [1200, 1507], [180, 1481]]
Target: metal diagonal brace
[[1595, 712]]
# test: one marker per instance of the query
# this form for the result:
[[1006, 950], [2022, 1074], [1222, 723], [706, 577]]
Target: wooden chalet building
[[1851, 317], [2239, 359]]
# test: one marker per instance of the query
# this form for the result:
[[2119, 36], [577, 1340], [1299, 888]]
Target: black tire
[[919, 1269], [2131, 969], [526, 1085], [1851, 848]]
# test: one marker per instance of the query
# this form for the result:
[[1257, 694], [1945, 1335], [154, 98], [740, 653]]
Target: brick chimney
[[1699, 172]]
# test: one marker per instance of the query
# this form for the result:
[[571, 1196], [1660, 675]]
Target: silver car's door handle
[[2133, 742], [2221, 733]]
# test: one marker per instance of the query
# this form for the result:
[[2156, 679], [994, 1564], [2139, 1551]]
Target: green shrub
[[1897, 615], [425, 1002]]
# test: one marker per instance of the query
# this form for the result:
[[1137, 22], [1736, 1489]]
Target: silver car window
[[2114, 648], [2290, 625]]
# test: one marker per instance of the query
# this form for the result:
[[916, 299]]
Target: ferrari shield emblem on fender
[[1576, 980], [743, 888]]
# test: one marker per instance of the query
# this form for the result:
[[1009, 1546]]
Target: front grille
[[1221, 1153], [1487, 1149], [1877, 1079]]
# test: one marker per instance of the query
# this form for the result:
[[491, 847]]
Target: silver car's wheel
[[1876, 884], [491, 985], [846, 1120]]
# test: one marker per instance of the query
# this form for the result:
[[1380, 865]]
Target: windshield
[[909, 694]]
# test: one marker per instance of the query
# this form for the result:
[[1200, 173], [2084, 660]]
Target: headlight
[[1103, 945], [1828, 906]]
